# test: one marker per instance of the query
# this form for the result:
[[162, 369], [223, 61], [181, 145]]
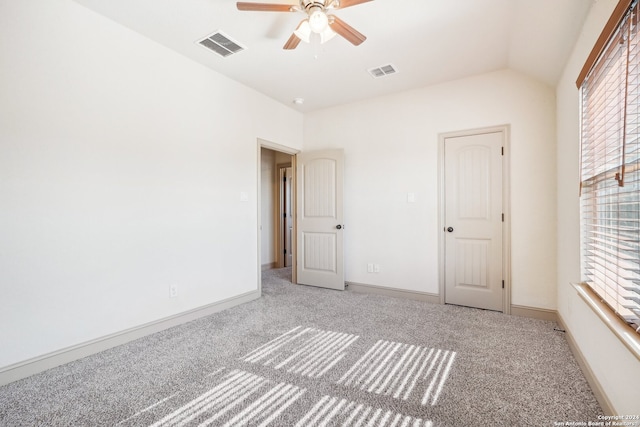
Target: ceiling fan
[[318, 24]]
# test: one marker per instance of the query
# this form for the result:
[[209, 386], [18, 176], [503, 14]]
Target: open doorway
[[276, 209], [313, 236]]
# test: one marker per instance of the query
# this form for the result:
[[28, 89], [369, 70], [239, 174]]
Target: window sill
[[629, 337]]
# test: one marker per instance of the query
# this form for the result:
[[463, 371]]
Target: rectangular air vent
[[221, 44], [383, 71]]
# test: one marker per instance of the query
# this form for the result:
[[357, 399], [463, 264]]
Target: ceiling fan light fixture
[[327, 35], [303, 32], [318, 21]]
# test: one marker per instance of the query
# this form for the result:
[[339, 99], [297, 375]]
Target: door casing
[[281, 241], [506, 236], [262, 143]]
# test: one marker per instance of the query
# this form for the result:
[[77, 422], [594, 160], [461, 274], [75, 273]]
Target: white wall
[[391, 148], [615, 368], [121, 168]]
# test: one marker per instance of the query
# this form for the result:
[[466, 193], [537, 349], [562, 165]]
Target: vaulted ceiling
[[427, 41]]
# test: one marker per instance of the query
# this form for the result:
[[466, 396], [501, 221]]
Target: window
[[610, 167]]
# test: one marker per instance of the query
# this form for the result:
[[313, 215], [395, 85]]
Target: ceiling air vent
[[221, 44], [383, 71]]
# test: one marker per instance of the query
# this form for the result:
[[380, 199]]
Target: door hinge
[[502, 150], [284, 179], [503, 284], [502, 217], [285, 252]]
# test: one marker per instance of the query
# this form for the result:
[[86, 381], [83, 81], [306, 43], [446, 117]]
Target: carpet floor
[[304, 356]]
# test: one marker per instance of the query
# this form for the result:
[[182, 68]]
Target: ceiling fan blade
[[292, 43], [264, 7], [349, 3], [346, 31], [294, 40]]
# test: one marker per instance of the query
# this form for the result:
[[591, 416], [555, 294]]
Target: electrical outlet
[[370, 268], [376, 268], [173, 291]]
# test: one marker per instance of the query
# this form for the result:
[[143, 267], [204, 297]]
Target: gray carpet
[[303, 356]]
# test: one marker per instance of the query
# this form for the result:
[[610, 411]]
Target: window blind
[[610, 172]]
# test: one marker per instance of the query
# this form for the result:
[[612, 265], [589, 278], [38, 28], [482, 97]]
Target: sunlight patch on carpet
[[149, 408], [396, 369], [259, 403], [335, 411], [384, 369], [308, 352]]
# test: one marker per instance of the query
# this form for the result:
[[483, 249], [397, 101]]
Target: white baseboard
[[597, 389], [269, 266], [516, 310], [393, 292], [534, 312], [38, 364]]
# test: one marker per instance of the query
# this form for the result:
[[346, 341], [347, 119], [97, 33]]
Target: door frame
[[506, 207], [281, 223], [263, 143]]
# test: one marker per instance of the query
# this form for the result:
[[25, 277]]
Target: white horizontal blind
[[610, 172]]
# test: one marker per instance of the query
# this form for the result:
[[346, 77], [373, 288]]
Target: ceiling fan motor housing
[[312, 5]]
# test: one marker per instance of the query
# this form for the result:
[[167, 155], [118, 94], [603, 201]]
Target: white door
[[319, 219], [474, 220]]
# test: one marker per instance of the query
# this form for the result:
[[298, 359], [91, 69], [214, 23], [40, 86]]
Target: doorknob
[[339, 227], [450, 229]]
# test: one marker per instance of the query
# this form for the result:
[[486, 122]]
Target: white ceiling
[[428, 41]]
